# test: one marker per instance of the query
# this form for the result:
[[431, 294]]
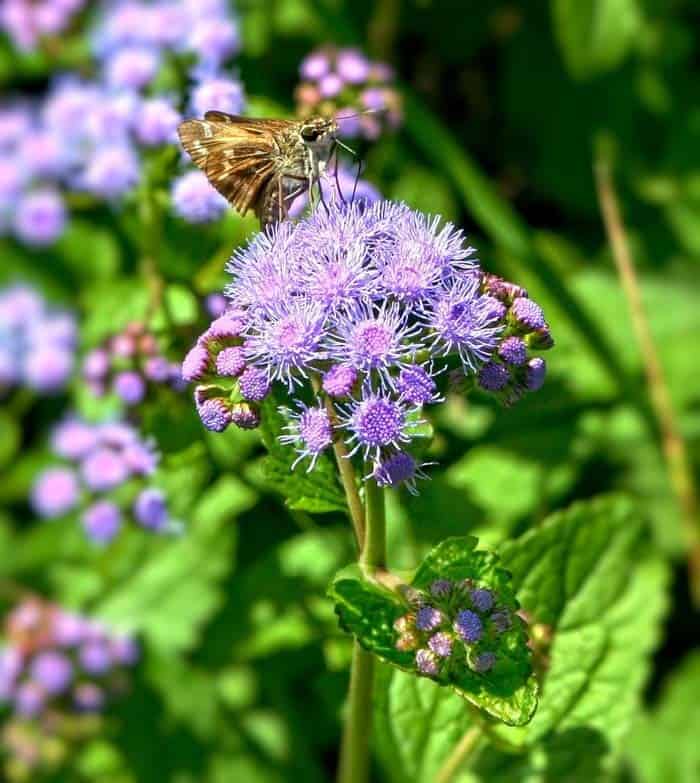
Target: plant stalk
[[672, 442], [462, 751], [346, 472], [354, 752]]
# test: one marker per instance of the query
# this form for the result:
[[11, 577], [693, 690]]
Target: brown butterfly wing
[[237, 154]]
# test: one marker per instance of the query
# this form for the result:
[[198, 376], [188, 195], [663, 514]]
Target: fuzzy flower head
[[310, 432], [363, 307]]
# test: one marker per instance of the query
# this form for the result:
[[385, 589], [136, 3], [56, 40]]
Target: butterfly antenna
[[346, 148], [360, 113]]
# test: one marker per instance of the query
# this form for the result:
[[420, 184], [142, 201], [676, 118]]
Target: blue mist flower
[[376, 422], [463, 321], [482, 599], [484, 662], [55, 492], [468, 626], [310, 432], [527, 313], [427, 663], [151, 509], [369, 337], [254, 384], [428, 618], [397, 468], [287, 339], [339, 380], [217, 93], [493, 376], [513, 351], [52, 671], [366, 304], [40, 217], [416, 385], [441, 644]]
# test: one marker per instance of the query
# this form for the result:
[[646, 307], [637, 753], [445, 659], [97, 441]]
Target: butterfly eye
[[310, 134]]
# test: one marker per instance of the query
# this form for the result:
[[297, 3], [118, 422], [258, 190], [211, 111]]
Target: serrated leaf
[[595, 35], [368, 609], [317, 491], [582, 578]]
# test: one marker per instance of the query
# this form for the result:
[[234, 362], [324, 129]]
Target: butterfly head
[[319, 133]]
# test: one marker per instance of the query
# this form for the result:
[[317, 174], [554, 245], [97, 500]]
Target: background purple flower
[[102, 521], [56, 492], [40, 217], [195, 200]]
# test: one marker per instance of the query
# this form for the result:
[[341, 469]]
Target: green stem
[[462, 751], [354, 753], [373, 554], [345, 470]]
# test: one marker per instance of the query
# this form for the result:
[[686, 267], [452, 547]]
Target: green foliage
[[244, 671], [663, 742], [597, 617], [595, 35], [368, 609]]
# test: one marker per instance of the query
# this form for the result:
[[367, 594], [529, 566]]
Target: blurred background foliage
[[245, 670]]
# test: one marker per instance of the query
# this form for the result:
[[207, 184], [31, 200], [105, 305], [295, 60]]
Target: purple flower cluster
[[356, 311], [228, 389], [57, 665], [93, 136], [452, 625], [27, 21], [127, 363], [345, 84], [134, 38], [37, 343], [104, 474]]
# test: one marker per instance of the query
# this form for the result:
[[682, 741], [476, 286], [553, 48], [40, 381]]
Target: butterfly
[[260, 164]]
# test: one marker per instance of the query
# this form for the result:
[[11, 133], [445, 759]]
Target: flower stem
[[672, 442], [462, 751], [354, 752], [345, 470]]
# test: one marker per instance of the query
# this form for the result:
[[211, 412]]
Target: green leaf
[[416, 724], [180, 308], [111, 306], [585, 583], [81, 238], [317, 491], [595, 35], [663, 744], [368, 609]]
